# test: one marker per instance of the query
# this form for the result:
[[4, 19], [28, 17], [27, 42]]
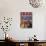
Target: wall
[[12, 8]]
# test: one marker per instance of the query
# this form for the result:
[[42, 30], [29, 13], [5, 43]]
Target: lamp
[[36, 3]]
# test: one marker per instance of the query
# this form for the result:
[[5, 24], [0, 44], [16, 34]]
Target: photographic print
[[26, 19]]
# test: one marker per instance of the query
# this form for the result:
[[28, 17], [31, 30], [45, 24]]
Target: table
[[27, 42]]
